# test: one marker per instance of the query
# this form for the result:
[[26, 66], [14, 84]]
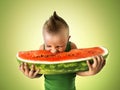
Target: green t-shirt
[[61, 81]]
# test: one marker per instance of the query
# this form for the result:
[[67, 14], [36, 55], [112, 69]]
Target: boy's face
[[55, 43]]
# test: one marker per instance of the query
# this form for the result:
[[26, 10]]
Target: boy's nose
[[54, 51]]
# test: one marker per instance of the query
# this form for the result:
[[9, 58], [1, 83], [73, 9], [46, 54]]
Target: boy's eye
[[59, 46], [48, 46]]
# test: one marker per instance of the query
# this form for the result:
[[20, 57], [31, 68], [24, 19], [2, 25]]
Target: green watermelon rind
[[64, 67], [61, 68]]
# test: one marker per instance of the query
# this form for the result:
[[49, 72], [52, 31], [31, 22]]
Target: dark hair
[[55, 23]]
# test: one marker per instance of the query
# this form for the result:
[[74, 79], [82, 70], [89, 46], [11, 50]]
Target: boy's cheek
[[48, 49], [62, 49], [58, 50]]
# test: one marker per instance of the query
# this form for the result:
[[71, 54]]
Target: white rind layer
[[65, 61]]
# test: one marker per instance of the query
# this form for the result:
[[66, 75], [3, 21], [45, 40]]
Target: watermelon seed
[[42, 55]]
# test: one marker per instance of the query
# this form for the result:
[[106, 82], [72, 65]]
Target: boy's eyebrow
[[48, 45], [57, 45]]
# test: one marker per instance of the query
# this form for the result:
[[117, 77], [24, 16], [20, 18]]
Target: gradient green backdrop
[[92, 23]]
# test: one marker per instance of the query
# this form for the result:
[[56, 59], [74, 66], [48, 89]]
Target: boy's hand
[[98, 64], [31, 73]]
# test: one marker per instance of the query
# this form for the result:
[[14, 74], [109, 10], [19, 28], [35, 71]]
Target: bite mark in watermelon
[[65, 62]]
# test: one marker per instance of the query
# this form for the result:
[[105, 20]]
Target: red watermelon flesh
[[65, 62], [43, 55]]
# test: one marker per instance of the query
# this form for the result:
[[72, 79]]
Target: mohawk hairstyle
[[55, 23]]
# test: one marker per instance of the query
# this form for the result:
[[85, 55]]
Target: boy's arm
[[73, 46], [41, 47], [94, 68], [31, 73]]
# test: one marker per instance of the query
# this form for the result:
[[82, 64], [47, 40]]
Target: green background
[[91, 22]]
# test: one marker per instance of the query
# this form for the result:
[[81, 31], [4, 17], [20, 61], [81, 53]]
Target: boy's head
[[55, 34], [55, 24]]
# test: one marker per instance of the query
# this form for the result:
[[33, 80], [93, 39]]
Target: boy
[[56, 39]]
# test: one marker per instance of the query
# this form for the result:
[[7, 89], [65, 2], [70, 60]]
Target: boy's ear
[[69, 38]]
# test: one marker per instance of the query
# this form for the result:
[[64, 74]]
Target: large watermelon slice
[[65, 62]]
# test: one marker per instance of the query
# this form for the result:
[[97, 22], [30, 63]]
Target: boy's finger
[[99, 61], [36, 72], [26, 68], [32, 70], [95, 62], [102, 61], [33, 67], [21, 67], [89, 65]]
